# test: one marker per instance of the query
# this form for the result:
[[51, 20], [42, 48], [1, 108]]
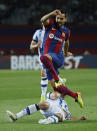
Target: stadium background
[[20, 87], [20, 19]]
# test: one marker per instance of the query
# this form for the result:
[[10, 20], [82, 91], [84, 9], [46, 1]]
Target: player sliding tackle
[[54, 109], [56, 38]]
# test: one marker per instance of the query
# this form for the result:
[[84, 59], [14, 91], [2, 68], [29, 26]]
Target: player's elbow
[[41, 20], [44, 21], [31, 47]]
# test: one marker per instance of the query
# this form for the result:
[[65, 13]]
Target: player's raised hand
[[84, 118], [56, 12]]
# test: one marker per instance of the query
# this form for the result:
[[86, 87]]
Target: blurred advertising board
[[28, 62]]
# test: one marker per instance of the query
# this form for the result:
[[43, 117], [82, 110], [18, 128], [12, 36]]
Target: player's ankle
[[56, 81]]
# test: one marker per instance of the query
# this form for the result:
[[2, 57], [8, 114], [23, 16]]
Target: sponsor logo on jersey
[[51, 36], [56, 38]]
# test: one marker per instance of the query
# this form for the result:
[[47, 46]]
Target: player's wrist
[[52, 14]]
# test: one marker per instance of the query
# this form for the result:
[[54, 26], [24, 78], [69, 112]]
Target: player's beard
[[59, 25]]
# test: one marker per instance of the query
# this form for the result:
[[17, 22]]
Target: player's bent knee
[[44, 105], [42, 57], [43, 73], [48, 56]]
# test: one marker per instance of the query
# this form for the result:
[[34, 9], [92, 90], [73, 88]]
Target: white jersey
[[56, 106], [38, 37]]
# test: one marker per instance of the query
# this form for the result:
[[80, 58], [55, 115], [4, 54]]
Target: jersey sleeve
[[35, 36], [51, 22]]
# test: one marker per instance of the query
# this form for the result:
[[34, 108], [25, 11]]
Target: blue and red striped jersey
[[54, 38]]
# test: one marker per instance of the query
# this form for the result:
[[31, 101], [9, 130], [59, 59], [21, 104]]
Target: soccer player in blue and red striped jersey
[[55, 46]]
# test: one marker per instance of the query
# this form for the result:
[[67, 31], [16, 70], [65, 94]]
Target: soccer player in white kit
[[36, 42], [54, 109]]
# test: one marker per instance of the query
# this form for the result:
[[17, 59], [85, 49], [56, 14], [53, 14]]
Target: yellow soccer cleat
[[12, 116], [42, 98], [79, 99], [59, 83]]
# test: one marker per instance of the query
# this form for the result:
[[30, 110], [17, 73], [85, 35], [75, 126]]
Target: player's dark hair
[[65, 13]]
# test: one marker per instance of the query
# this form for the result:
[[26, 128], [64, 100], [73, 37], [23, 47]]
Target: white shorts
[[53, 109]]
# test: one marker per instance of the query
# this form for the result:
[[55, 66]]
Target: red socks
[[49, 66], [65, 91]]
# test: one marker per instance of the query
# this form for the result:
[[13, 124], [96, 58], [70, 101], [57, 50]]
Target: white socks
[[21, 114], [44, 84], [27, 111]]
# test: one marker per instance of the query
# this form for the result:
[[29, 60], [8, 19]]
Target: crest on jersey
[[51, 36], [63, 34]]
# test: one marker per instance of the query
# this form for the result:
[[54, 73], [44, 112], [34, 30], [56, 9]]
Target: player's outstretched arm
[[45, 18], [76, 118]]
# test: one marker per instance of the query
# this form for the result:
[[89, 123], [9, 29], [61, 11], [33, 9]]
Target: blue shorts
[[58, 61]]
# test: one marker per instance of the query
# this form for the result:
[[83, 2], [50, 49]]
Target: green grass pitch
[[21, 88]]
